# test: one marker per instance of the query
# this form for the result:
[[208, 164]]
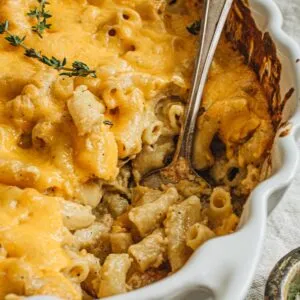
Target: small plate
[[284, 280]]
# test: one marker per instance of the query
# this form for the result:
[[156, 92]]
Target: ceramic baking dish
[[223, 268]]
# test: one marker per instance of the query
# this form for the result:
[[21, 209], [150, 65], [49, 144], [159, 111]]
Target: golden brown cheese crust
[[235, 110]]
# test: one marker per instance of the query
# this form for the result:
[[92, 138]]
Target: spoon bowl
[[213, 19]]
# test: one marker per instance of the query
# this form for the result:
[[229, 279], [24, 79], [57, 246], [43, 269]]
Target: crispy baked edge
[[260, 54]]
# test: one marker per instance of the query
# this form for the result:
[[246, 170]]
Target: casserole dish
[[224, 267]]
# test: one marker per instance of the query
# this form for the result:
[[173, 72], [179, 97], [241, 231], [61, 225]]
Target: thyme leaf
[[107, 122], [3, 27], [41, 16], [78, 68], [15, 40], [194, 28]]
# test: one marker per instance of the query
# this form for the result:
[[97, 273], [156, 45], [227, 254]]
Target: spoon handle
[[212, 23]]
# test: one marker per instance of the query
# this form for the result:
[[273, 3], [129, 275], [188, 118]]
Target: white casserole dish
[[223, 268]]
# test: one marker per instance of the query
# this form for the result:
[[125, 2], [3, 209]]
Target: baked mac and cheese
[[74, 221]]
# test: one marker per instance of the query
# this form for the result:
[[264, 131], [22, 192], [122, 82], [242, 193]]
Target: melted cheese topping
[[31, 224], [133, 53], [31, 232]]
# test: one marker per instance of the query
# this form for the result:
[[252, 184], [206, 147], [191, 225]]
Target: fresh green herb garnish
[[294, 288], [107, 122], [78, 68], [3, 27], [41, 16], [194, 28]]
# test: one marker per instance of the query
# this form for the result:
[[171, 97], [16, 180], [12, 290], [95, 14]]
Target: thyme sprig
[[78, 68], [194, 28], [41, 16]]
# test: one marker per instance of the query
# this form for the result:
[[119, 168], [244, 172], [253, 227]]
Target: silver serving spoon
[[212, 23]]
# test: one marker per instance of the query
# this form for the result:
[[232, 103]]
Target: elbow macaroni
[[179, 219], [113, 275], [197, 235], [150, 251], [74, 220], [85, 109], [149, 216], [220, 204]]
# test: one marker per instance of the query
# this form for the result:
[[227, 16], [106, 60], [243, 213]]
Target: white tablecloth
[[283, 231]]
